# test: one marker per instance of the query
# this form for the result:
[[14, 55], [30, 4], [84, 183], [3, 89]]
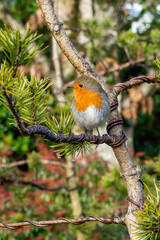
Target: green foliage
[[35, 165], [21, 10], [7, 81], [97, 34], [127, 39], [96, 28], [64, 125], [31, 100], [18, 49], [147, 130], [10, 138], [136, 45], [112, 180], [148, 219], [29, 97], [157, 62]]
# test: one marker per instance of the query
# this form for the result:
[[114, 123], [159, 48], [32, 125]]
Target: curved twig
[[119, 87]]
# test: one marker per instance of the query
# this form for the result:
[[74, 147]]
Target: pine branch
[[148, 218], [17, 49]]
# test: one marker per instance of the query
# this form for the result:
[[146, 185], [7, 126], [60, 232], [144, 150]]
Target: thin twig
[[119, 87], [33, 107], [47, 134], [126, 65], [77, 29], [14, 112], [4, 180], [22, 162]]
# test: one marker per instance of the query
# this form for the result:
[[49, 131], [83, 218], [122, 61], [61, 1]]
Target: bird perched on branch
[[90, 105]]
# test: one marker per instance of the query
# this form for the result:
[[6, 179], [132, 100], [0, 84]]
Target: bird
[[90, 104]]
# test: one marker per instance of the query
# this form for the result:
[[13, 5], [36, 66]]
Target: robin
[[90, 104]]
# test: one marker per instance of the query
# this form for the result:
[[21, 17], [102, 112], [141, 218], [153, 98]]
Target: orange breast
[[85, 98]]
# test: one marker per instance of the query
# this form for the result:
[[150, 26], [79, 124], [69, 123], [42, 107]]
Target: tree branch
[[22, 162], [47, 134], [119, 87], [79, 221], [4, 180], [126, 65], [57, 30]]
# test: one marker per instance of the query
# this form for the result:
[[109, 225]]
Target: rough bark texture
[[130, 172]]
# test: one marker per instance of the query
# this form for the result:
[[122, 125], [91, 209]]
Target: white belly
[[91, 118]]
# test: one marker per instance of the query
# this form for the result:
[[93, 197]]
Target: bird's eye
[[80, 85]]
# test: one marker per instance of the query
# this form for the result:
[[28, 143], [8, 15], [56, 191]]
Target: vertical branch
[[131, 174], [74, 195], [57, 87]]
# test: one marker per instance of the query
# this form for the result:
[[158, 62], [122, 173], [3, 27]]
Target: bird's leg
[[85, 132], [98, 132], [88, 132]]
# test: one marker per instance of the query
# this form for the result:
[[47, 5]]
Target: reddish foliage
[[10, 212], [59, 214], [19, 230], [42, 208], [45, 152], [5, 152], [81, 183], [102, 196], [83, 171], [5, 195], [37, 238], [126, 203], [60, 227], [60, 170], [140, 154], [96, 235], [26, 175]]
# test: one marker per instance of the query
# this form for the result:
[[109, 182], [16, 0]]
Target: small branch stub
[[57, 27]]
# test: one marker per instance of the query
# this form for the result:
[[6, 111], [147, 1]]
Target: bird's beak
[[70, 86]]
